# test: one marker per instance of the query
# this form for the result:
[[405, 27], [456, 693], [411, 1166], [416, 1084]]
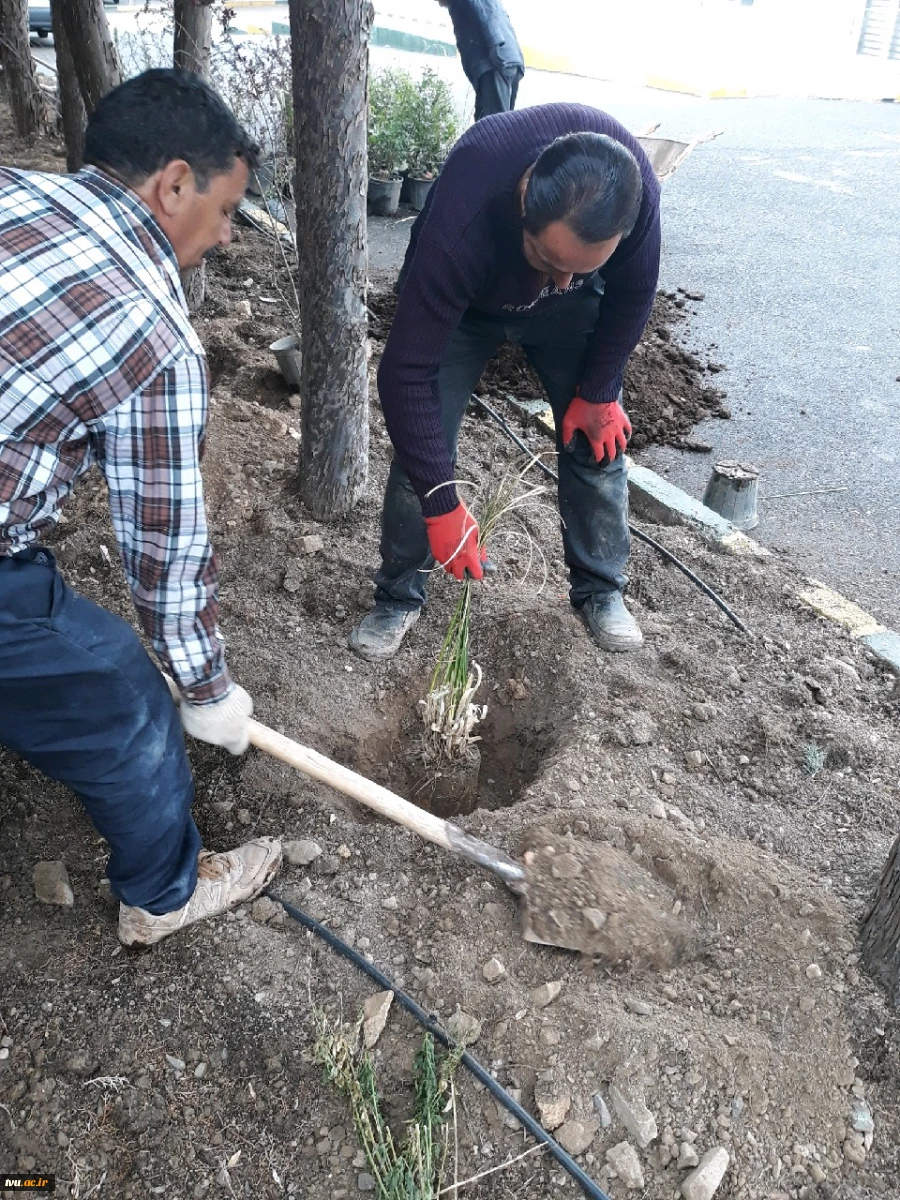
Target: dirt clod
[[51, 884]]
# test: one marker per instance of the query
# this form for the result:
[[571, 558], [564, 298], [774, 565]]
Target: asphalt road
[[789, 223]]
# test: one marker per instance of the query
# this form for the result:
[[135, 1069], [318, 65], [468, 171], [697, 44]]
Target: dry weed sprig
[[449, 711], [412, 1170]]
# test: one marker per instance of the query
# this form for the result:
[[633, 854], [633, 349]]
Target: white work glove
[[222, 723]]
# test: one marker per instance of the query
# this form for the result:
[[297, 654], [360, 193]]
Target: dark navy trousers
[[81, 700], [593, 497]]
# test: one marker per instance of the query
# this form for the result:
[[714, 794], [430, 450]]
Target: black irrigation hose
[[685, 570], [638, 533], [484, 1077]]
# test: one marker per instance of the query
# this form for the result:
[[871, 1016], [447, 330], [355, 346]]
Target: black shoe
[[381, 632], [611, 624]]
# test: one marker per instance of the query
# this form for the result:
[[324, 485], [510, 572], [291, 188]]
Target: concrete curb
[[657, 500], [661, 502]]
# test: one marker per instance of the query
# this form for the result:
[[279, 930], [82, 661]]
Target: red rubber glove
[[606, 426], [453, 538]]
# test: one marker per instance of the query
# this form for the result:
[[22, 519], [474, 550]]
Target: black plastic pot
[[418, 192], [384, 196]]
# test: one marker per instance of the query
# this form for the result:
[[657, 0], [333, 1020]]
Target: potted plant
[[433, 126], [388, 135]]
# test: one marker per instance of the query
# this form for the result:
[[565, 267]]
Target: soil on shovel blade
[[753, 784], [598, 900]]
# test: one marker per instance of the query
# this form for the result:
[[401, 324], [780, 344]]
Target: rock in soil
[[463, 1028], [51, 884], [624, 1161], [638, 929], [493, 970], [546, 993], [634, 1115], [703, 1182], [301, 853], [553, 1104], [576, 1136], [687, 1157], [375, 1015], [264, 910]]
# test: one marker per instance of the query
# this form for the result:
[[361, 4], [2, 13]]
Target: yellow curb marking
[[664, 84], [540, 60], [738, 543], [835, 607]]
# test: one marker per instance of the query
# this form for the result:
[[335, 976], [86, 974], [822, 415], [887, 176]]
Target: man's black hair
[[588, 180], [162, 115]]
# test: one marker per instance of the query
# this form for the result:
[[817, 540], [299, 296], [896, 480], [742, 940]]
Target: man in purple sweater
[[542, 229]]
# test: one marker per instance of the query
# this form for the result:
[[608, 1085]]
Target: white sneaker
[[223, 880]]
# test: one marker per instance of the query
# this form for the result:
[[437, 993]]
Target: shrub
[[433, 124], [389, 106]]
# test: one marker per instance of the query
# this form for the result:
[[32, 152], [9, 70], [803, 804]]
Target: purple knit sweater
[[469, 255]]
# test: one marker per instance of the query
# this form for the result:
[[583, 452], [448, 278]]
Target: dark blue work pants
[[593, 497], [495, 92], [81, 700]]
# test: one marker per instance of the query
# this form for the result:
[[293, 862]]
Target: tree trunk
[[192, 51], [193, 35], [329, 54], [880, 935], [93, 51], [71, 105], [25, 97]]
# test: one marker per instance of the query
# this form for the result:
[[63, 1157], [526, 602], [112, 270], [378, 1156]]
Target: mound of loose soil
[[755, 781]]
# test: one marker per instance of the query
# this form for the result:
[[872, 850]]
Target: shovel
[[592, 899]]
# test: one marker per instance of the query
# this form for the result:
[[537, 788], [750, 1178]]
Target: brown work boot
[[223, 880]]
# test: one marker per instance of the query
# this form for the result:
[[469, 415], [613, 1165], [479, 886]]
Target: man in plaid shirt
[[99, 365]]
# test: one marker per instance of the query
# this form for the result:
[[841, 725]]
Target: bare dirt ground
[[756, 781]]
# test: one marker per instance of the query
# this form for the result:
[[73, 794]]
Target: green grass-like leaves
[[449, 710], [413, 1168]]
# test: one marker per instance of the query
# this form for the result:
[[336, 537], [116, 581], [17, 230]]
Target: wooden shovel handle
[[372, 795], [442, 833], [342, 779]]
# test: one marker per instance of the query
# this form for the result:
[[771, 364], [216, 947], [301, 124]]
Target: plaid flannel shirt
[[99, 364]]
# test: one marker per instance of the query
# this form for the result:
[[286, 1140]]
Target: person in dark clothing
[[489, 53], [542, 229]]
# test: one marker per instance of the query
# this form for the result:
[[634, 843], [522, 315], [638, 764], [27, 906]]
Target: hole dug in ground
[[529, 707]]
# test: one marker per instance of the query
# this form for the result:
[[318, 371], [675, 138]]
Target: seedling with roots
[[449, 711]]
